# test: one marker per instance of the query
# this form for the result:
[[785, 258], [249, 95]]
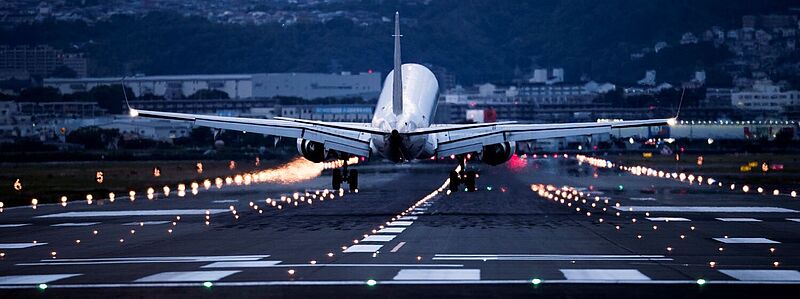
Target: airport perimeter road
[[546, 227]]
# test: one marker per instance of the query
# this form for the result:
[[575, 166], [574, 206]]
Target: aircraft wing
[[349, 138], [456, 140]]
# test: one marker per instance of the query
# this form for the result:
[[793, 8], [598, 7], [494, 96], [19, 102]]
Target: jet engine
[[499, 153], [311, 150]]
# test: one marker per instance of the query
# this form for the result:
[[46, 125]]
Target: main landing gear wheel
[[352, 180], [469, 181], [343, 175], [455, 180], [336, 179]]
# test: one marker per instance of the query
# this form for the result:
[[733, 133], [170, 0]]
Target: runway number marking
[[396, 248]]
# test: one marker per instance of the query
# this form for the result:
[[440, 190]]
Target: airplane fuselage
[[419, 96]]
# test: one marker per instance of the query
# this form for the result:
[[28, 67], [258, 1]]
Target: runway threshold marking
[[10, 225], [270, 265], [667, 219], [392, 230], [33, 279], [358, 248], [746, 241], [175, 212], [243, 264], [378, 238], [141, 223], [603, 274], [401, 223], [396, 248], [75, 224], [20, 245], [763, 275], [408, 218], [548, 257], [438, 274], [146, 260], [793, 219], [199, 276], [738, 219]]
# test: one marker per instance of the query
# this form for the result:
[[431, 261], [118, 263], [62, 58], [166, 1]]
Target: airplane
[[401, 128]]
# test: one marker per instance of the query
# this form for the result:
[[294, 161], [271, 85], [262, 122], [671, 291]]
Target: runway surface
[[402, 234]]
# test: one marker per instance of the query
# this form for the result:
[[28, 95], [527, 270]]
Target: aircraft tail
[[397, 88]]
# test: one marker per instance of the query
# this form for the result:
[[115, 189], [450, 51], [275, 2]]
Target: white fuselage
[[419, 106]]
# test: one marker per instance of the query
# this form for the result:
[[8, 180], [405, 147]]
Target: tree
[[110, 97], [94, 137], [63, 72], [40, 94], [209, 94]]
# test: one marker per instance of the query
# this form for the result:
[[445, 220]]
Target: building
[[237, 86], [341, 113], [38, 60], [766, 97]]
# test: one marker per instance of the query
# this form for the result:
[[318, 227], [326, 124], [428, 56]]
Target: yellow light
[[672, 121], [133, 112]]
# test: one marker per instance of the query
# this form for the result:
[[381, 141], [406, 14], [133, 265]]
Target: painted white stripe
[[793, 219], [33, 279], [401, 223], [438, 274], [69, 224], [392, 230], [378, 238], [19, 245], [603, 274], [667, 219], [738, 219], [408, 218], [417, 213], [746, 241], [643, 198], [763, 275], [421, 209], [147, 260], [146, 223], [399, 245], [698, 209], [225, 201], [362, 248], [187, 276], [244, 264], [547, 257], [266, 264], [13, 225], [175, 212]]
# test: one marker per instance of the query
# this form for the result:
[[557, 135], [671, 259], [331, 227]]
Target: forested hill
[[477, 40]]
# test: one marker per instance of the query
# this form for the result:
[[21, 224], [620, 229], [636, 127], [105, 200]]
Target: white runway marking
[[13, 225], [175, 212], [738, 219], [604, 274], [417, 213], [146, 223], [421, 209], [187, 276], [363, 248], [392, 230], [146, 260], [225, 201], [378, 238], [408, 218], [793, 219], [667, 219], [401, 223], [245, 264], [746, 241], [763, 275], [399, 245], [547, 257], [69, 224], [33, 279], [643, 198], [698, 209], [19, 245], [438, 274]]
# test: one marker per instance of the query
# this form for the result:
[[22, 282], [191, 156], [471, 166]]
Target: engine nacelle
[[499, 153], [311, 150]]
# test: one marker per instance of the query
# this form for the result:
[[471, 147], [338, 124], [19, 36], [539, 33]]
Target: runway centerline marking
[[438, 274], [20, 245], [396, 248], [146, 260], [75, 224], [266, 264], [763, 275], [401, 223], [704, 209], [140, 223], [547, 257], [33, 279], [604, 274], [243, 264], [14, 225], [175, 212], [187, 276], [746, 241], [738, 219]]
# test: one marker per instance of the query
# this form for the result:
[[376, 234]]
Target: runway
[[536, 226]]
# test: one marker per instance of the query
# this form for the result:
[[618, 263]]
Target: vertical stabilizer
[[397, 88]]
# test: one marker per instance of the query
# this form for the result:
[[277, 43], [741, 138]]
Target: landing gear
[[467, 177], [340, 176]]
